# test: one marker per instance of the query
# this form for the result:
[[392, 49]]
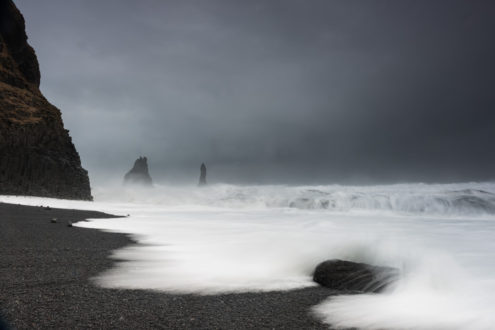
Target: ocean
[[229, 238]]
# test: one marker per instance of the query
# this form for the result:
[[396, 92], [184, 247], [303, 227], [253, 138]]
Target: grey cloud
[[274, 91]]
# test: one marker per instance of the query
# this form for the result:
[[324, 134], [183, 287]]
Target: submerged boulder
[[352, 276], [202, 175], [139, 174]]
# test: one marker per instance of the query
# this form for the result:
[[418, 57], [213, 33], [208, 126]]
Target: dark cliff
[[37, 156]]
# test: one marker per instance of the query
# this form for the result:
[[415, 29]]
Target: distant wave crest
[[466, 201], [439, 199]]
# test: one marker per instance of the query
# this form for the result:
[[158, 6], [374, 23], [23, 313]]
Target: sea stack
[[202, 175], [37, 156], [139, 174]]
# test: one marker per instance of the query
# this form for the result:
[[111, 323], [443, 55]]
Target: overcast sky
[[295, 91]]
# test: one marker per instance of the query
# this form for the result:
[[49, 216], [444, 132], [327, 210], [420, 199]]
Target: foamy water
[[226, 238]]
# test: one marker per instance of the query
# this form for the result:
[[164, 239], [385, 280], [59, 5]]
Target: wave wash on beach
[[228, 238]]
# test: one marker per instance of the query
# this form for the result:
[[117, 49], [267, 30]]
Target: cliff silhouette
[[37, 156]]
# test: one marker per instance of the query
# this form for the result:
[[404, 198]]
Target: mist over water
[[229, 238]]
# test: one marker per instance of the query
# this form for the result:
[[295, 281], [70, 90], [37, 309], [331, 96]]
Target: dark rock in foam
[[139, 174], [37, 156], [352, 276]]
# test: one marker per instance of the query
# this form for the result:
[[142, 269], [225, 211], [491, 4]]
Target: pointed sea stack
[[37, 156], [202, 175], [139, 174]]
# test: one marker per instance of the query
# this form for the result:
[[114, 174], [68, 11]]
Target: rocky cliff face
[[37, 156]]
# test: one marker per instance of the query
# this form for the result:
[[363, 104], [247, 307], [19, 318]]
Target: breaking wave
[[446, 199], [227, 238]]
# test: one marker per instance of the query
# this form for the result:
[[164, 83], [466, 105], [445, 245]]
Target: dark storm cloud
[[296, 91]]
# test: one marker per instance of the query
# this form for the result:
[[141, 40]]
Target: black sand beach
[[45, 271]]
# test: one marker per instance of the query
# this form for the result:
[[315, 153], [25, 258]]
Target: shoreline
[[45, 272]]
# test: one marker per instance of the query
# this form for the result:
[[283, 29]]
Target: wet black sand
[[45, 271]]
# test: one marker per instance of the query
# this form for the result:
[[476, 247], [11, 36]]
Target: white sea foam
[[446, 199], [226, 238]]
